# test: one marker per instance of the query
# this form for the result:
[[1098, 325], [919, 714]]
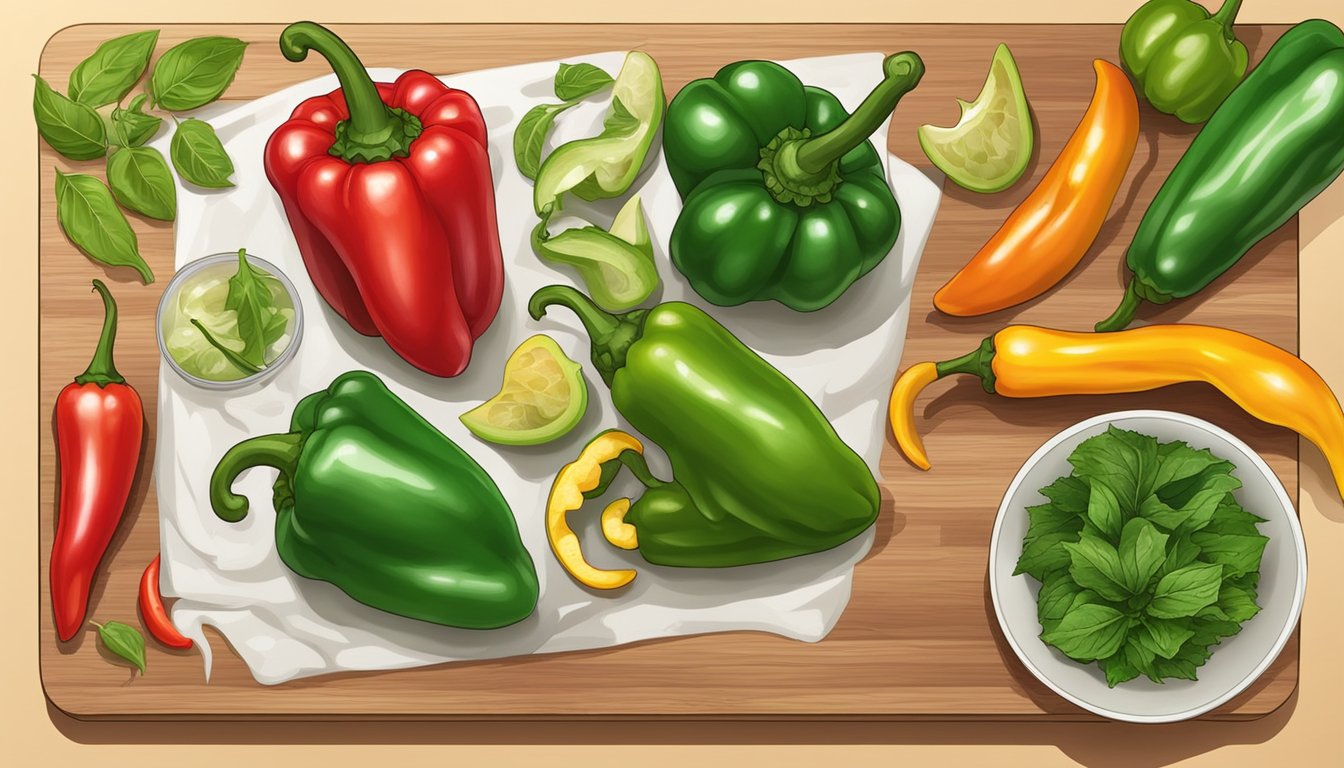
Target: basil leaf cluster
[[1145, 558]]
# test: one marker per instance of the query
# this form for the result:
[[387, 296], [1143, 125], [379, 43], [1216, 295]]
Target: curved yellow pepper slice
[[585, 474]]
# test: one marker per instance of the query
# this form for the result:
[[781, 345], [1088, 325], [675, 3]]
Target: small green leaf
[[123, 640], [234, 358], [199, 156], [1123, 461], [1183, 592], [530, 137], [141, 181], [250, 297], [71, 128], [1095, 564], [1232, 519], [89, 216], [1164, 637], [577, 81], [1138, 655], [1177, 462], [1069, 494], [1089, 633], [1118, 669], [110, 73], [131, 126], [195, 73], [1237, 555], [1056, 597], [1104, 511], [1049, 518], [1180, 553], [1197, 511], [1142, 551]]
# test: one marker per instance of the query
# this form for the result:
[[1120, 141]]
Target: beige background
[[1305, 731]]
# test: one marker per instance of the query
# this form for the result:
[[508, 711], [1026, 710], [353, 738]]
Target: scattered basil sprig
[[573, 83], [89, 122], [123, 640], [1145, 558]]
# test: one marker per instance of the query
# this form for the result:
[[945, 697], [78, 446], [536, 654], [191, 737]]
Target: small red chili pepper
[[153, 613], [99, 425]]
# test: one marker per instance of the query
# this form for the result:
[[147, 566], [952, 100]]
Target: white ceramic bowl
[[1236, 662]]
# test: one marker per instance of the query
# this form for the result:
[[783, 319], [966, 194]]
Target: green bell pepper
[[372, 498], [1184, 61], [759, 473], [1273, 145], [784, 197]]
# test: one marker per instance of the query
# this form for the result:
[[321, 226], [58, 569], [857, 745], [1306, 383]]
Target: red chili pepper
[[154, 614], [392, 205], [99, 424]]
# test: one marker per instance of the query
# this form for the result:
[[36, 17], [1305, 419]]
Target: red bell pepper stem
[[99, 427], [153, 612], [374, 131]]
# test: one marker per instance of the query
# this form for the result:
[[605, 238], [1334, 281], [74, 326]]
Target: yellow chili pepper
[[581, 475], [1025, 361], [1046, 236]]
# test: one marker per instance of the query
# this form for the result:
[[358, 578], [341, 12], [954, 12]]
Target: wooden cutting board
[[919, 639]]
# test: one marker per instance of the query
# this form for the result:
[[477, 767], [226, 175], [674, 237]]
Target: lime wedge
[[988, 149], [543, 396]]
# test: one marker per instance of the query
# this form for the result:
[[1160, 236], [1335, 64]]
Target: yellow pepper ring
[[901, 411], [618, 532], [584, 474]]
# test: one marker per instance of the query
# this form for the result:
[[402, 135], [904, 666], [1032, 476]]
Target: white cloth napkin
[[285, 627]]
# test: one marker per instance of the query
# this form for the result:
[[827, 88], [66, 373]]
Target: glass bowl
[[226, 262]]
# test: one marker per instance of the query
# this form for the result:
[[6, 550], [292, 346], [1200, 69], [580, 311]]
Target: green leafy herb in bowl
[[1145, 558]]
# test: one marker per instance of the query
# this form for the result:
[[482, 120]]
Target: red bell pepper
[[99, 426], [388, 191]]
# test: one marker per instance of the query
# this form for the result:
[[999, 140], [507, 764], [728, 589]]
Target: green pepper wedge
[[784, 197], [759, 473], [372, 498], [1274, 144]]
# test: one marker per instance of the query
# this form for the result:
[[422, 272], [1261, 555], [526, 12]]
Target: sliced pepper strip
[[585, 474], [618, 532], [902, 407]]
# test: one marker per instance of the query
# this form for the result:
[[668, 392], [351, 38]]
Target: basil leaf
[[123, 640], [1068, 494], [1183, 592], [113, 68], [1139, 656], [195, 73], [530, 137], [1238, 555], [1180, 553], [1089, 633], [89, 216], [250, 297], [71, 128], [1043, 555], [1103, 509], [198, 155], [131, 126], [1179, 462], [1056, 597], [577, 81], [1049, 518], [1164, 637], [1195, 513], [140, 180], [1118, 669], [1231, 518], [1095, 564], [1123, 461], [1142, 551], [1209, 631]]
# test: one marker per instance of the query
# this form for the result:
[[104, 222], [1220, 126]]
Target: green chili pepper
[[759, 473], [374, 499], [1271, 147], [784, 196], [1185, 61]]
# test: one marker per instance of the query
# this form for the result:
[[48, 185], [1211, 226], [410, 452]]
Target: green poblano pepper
[[372, 498], [759, 473], [1184, 61], [784, 198]]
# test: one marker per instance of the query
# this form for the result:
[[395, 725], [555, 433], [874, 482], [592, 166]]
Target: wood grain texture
[[919, 638]]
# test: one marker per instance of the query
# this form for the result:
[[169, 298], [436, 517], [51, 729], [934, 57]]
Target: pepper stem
[[611, 335], [978, 362], [101, 370], [1123, 314], [1227, 15], [279, 451], [901, 73], [374, 131]]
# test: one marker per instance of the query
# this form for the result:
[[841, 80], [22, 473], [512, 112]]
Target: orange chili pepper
[[1025, 361], [1047, 234]]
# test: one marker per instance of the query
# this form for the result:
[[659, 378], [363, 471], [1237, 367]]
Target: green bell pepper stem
[[1123, 314], [101, 370], [373, 131], [902, 72], [279, 451], [979, 362], [1227, 15], [611, 335]]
